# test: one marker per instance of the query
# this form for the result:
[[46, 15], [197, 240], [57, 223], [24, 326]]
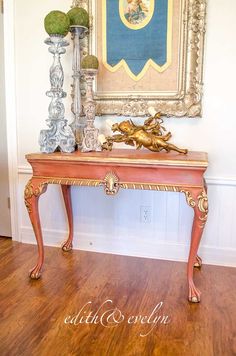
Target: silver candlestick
[[90, 140], [78, 33], [59, 136]]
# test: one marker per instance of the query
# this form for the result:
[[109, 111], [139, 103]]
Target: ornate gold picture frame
[[173, 87]]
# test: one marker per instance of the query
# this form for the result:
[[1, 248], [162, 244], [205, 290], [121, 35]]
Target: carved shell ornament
[[111, 183]]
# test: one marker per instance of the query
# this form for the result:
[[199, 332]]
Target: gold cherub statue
[[150, 135]]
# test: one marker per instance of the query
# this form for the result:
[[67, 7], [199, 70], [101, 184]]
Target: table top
[[126, 156]]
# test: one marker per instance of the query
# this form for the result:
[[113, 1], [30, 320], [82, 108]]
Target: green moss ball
[[90, 62], [57, 23], [78, 17]]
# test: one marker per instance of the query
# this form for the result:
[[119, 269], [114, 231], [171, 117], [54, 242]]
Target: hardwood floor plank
[[32, 313]]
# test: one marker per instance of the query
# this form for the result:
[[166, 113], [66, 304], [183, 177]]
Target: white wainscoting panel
[[113, 225]]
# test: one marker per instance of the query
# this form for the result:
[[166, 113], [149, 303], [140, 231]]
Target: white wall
[[113, 224]]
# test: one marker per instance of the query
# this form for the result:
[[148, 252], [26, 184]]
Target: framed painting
[[150, 54]]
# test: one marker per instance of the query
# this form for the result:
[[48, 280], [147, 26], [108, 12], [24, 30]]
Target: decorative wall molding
[[221, 181], [25, 169]]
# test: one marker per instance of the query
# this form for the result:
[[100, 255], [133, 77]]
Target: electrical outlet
[[146, 214]]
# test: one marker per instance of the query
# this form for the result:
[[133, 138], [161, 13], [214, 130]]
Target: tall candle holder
[[78, 33], [90, 141], [59, 136]]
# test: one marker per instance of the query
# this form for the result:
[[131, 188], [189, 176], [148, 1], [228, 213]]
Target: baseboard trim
[[124, 246]]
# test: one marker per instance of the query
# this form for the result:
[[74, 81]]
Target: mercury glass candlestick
[[59, 136], [90, 140], [78, 33]]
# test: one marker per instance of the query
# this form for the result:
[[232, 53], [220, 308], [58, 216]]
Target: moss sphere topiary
[[78, 17], [57, 23], [90, 62]]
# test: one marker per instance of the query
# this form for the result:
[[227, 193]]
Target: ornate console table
[[127, 169]]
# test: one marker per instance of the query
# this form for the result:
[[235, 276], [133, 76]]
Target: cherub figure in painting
[[136, 11]]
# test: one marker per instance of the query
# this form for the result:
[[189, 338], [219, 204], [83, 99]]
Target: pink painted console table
[[121, 169]]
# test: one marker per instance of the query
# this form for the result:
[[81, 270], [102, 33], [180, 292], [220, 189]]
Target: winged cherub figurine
[[151, 135]]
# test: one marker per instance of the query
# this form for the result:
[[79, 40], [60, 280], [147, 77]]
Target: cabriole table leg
[[33, 191], [66, 191], [198, 200]]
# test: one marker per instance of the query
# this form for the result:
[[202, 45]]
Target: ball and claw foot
[[35, 273], [67, 246], [194, 294], [198, 262]]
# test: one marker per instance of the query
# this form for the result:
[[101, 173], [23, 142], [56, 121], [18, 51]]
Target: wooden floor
[[33, 313]]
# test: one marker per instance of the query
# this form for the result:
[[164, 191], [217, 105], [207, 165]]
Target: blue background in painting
[[137, 46]]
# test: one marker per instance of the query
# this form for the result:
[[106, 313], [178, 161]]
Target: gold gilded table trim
[[134, 162], [112, 185], [124, 185]]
